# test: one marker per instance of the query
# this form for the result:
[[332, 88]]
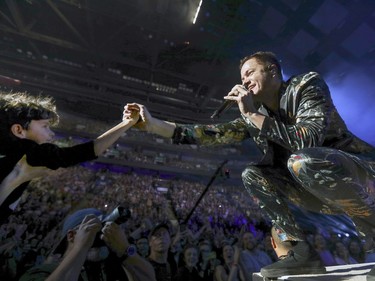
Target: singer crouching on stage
[[309, 158]]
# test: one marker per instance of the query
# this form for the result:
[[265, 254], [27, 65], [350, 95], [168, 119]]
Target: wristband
[[131, 250]]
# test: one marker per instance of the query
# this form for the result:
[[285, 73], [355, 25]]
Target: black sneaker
[[301, 260]]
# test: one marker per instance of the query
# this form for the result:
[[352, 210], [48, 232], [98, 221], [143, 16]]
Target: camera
[[119, 215]]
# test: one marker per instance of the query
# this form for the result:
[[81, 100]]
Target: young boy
[[26, 149]]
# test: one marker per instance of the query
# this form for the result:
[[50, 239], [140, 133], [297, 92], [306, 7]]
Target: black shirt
[[47, 155], [162, 270]]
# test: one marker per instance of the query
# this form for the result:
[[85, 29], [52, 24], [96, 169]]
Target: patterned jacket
[[307, 117]]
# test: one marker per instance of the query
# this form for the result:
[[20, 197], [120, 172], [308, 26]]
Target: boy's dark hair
[[21, 108], [266, 58]]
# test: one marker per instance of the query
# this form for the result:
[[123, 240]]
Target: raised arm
[[137, 267], [70, 267], [105, 140]]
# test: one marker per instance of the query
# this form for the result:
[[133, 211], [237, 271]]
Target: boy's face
[[39, 131]]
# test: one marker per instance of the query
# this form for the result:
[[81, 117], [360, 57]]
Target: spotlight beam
[[197, 11]]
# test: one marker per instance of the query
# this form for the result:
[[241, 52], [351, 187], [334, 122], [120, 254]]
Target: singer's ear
[[272, 69]]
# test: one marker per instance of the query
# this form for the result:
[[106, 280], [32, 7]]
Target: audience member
[[83, 255], [325, 254], [160, 242], [356, 250], [230, 269], [176, 255], [252, 258], [208, 260], [342, 255], [283, 245], [189, 271], [143, 247], [268, 248]]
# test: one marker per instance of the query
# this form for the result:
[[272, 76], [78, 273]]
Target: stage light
[[197, 11]]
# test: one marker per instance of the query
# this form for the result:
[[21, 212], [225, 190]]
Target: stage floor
[[352, 272]]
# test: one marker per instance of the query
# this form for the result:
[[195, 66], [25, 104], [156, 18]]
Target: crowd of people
[[224, 222]]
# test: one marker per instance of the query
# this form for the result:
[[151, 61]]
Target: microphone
[[229, 103], [224, 107]]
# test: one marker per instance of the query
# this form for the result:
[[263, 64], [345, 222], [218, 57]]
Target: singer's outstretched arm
[[217, 134]]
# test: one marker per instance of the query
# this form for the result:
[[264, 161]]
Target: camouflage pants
[[322, 180]]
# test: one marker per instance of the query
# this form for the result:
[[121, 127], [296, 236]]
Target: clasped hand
[[140, 112]]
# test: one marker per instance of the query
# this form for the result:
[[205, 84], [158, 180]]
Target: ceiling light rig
[[197, 11]]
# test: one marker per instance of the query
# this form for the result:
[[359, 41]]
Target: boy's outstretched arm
[[105, 140]]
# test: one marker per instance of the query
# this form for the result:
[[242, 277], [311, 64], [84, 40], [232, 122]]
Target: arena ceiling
[[94, 56]]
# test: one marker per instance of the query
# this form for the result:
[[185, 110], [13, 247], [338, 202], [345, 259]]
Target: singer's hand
[[244, 99], [131, 110]]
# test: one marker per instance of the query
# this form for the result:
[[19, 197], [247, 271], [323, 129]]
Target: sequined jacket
[[306, 117]]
